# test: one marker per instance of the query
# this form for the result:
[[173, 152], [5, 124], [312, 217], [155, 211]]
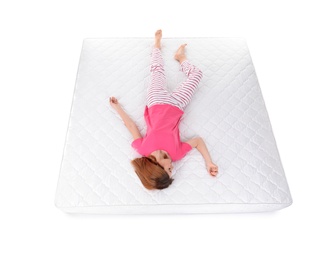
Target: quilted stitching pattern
[[228, 111]]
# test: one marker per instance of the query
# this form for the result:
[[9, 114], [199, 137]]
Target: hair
[[151, 173]]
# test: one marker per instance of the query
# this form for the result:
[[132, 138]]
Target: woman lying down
[[161, 145]]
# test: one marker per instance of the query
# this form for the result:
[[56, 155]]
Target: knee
[[156, 67]]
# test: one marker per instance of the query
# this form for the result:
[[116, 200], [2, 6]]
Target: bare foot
[[180, 54], [158, 37]]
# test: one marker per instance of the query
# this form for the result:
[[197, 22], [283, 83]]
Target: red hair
[[151, 173]]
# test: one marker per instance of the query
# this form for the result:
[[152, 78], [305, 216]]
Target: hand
[[114, 102], [212, 168]]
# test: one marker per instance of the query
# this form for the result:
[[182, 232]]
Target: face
[[165, 160]]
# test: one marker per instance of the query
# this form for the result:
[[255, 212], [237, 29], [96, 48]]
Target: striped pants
[[182, 95]]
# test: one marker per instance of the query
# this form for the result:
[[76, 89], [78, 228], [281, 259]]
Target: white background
[[39, 53]]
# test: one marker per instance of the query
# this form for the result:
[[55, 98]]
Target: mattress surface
[[227, 111]]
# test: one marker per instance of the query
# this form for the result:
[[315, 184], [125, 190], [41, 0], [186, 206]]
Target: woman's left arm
[[200, 145]]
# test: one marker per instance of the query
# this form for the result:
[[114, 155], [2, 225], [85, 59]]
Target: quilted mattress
[[227, 111]]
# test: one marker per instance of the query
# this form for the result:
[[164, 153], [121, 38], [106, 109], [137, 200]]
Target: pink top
[[162, 132]]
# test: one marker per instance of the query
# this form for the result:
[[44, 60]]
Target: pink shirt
[[162, 132]]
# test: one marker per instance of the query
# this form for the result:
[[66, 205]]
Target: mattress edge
[[177, 209]]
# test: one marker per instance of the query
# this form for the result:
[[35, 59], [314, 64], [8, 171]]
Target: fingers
[[214, 174], [113, 100], [213, 170]]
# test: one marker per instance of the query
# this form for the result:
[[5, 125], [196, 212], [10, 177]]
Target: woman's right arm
[[129, 123]]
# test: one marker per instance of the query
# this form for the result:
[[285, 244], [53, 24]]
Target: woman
[[162, 145]]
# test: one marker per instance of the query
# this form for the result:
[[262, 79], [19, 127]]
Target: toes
[[182, 48]]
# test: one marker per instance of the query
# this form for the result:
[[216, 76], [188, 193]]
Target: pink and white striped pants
[[182, 95]]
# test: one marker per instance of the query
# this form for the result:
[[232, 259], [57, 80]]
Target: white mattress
[[227, 111]]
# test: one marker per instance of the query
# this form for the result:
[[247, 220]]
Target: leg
[[157, 92], [184, 92]]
